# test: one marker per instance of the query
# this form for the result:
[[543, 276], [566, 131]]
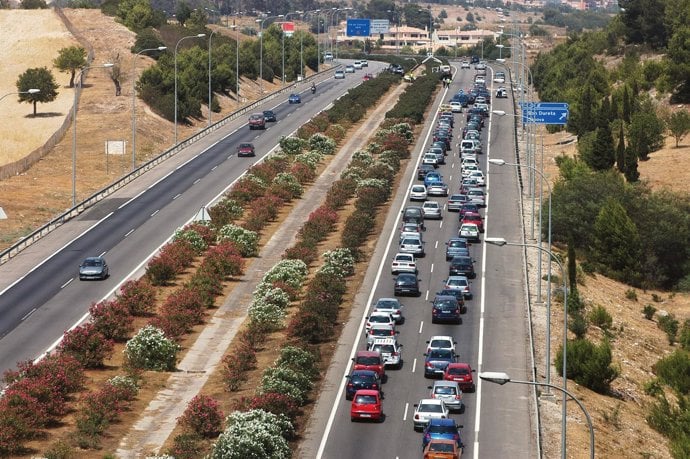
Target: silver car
[[413, 245], [437, 189], [93, 268], [476, 196], [392, 306], [450, 393], [455, 202], [432, 210]]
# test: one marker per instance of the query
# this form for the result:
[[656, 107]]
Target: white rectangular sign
[[379, 26]]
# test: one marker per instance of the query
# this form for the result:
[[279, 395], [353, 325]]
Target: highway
[[494, 335], [40, 293]]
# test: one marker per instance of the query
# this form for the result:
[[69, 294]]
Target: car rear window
[[365, 399], [445, 390], [441, 353], [369, 360], [443, 429], [441, 447], [430, 408], [440, 343], [458, 371]]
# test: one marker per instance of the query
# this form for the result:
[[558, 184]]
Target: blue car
[[445, 429], [361, 379], [432, 177], [436, 362], [294, 99]]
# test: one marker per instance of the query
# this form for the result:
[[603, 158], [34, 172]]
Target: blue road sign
[[558, 115], [543, 105], [358, 27]]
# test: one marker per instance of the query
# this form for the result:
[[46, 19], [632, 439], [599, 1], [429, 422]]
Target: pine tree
[[630, 172], [620, 150], [617, 244], [601, 157], [627, 109]]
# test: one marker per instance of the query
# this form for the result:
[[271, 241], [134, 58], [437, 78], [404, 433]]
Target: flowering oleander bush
[[97, 410], [203, 416], [207, 283], [298, 359], [310, 327], [292, 145], [128, 386], [340, 192], [138, 296], [160, 270], [357, 227], [309, 158], [289, 183], [263, 210], [319, 224], [361, 159], [336, 132], [86, 344], [339, 262], [193, 237], [265, 171], [247, 241], [285, 380], [181, 252], [24, 409], [224, 258], [226, 211], [308, 253], [272, 402], [303, 173], [62, 372], [390, 158], [246, 189], [254, 433], [150, 349], [381, 171], [353, 172], [180, 312], [266, 314], [291, 272], [112, 319], [396, 142], [323, 144]]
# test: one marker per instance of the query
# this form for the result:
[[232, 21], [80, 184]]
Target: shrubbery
[[588, 364], [203, 416], [86, 344], [149, 349], [254, 433], [138, 296], [246, 241]]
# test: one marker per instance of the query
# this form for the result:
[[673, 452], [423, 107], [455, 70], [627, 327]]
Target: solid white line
[[482, 303], [66, 283], [407, 407], [331, 417], [28, 314]]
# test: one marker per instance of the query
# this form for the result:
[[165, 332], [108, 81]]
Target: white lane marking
[[129, 232], [414, 365], [29, 313], [426, 297], [421, 327], [196, 181], [66, 283], [432, 267], [436, 245], [482, 305], [407, 407], [214, 168], [176, 196], [102, 253], [155, 212], [441, 224]]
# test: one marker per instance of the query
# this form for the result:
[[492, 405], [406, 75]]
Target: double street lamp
[[134, 101], [503, 378], [261, 49], [28, 91], [200, 35], [500, 242], [209, 77]]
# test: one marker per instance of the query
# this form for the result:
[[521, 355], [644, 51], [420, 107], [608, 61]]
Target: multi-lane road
[[498, 421], [40, 293]]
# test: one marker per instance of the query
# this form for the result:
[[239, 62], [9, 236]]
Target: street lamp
[[74, 134], [503, 378], [261, 49], [29, 91], [282, 36], [397, 28], [335, 54], [500, 242], [134, 101], [200, 35], [209, 77], [500, 162]]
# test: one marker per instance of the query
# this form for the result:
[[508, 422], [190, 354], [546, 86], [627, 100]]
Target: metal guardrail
[[99, 195]]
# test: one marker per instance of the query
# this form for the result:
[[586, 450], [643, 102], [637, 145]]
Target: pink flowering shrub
[[112, 319], [86, 344], [203, 416], [138, 296], [224, 258]]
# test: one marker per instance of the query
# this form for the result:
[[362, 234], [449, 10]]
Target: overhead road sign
[[379, 26], [545, 113], [358, 27]]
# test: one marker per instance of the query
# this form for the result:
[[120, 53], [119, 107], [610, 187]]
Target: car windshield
[[445, 390], [456, 244], [443, 429], [410, 242], [245, 145], [430, 408], [368, 360], [384, 348], [379, 319], [380, 332], [363, 379], [92, 262], [441, 354], [366, 399], [438, 447]]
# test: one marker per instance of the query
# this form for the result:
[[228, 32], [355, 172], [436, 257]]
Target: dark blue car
[[361, 379], [294, 99], [446, 309], [445, 429], [436, 362]]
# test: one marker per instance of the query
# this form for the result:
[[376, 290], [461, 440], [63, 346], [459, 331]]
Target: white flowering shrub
[[309, 158], [298, 358], [277, 296], [289, 181], [193, 237], [339, 262], [247, 241], [292, 272], [353, 172], [373, 183], [321, 143], [266, 314], [390, 158], [254, 434], [404, 129], [149, 349], [285, 380], [125, 382], [292, 145], [256, 179], [362, 158]]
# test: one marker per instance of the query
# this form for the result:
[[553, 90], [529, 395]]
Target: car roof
[[443, 383], [385, 341], [364, 373], [382, 326], [447, 422], [368, 354], [430, 401], [445, 297], [445, 337]]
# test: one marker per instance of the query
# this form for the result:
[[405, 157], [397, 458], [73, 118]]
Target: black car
[[436, 362], [462, 266], [446, 308], [361, 379], [423, 169], [407, 284], [396, 68], [270, 116], [458, 296], [413, 214]]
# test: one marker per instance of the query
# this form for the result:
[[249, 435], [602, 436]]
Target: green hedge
[[414, 101]]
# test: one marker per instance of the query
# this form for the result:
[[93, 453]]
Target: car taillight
[[394, 354], [457, 311], [429, 365], [350, 385], [416, 416]]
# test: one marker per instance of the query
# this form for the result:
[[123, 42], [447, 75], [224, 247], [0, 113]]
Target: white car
[[407, 234], [480, 100], [455, 106], [418, 193], [380, 331], [501, 93], [365, 63], [480, 79], [469, 231], [390, 350], [357, 65], [465, 64], [459, 283], [403, 263], [349, 69], [479, 177], [380, 318], [427, 409], [432, 210], [339, 75], [391, 306], [441, 342], [500, 77], [450, 393], [477, 196], [430, 159], [468, 161], [467, 170]]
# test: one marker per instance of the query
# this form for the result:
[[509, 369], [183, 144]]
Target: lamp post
[[74, 134], [330, 24], [503, 378], [500, 242], [29, 91], [500, 162], [261, 49], [134, 101], [237, 58], [209, 77], [282, 36], [335, 54], [201, 35]]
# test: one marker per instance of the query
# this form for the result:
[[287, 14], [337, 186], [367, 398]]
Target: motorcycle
[[313, 89]]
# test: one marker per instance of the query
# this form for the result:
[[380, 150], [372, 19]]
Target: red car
[[245, 149], [473, 217], [461, 373], [367, 76], [366, 404], [370, 360]]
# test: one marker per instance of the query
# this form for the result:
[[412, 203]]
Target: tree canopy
[[69, 60], [37, 78]]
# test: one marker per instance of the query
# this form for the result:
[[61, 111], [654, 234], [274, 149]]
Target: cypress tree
[[620, 150], [627, 109], [630, 172]]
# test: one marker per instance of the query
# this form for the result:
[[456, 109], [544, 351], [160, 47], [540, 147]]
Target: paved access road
[[40, 292], [497, 421]]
